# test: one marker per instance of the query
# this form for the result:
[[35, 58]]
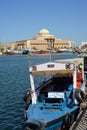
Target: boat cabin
[[64, 76]]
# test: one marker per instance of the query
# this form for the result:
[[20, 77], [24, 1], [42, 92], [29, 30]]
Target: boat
[[56, 91]]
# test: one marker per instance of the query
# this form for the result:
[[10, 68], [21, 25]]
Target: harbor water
[[14, 81]]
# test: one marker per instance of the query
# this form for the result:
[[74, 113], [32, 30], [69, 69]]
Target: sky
[[23, 19]]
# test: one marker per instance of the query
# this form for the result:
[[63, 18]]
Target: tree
[[1, 49]]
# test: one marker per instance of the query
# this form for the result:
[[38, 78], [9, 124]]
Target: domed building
[[44, 32], [43, 41]]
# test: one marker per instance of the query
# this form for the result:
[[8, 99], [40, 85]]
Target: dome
[[44, 31]]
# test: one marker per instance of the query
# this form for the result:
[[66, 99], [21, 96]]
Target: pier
[[81, 121]]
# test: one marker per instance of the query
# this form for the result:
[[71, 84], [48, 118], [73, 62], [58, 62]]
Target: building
[[12, 46], [84, 45], [43, 41]]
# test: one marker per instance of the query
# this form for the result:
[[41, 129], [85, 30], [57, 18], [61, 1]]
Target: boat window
[[40, 79], [50, 66]]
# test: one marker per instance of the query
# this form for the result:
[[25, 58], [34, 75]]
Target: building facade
[[12, 46], [84, 45], [43, 41]]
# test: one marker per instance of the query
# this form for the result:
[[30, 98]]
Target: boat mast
[[50, 45], [34, 98], [75, 77], [83, 68]]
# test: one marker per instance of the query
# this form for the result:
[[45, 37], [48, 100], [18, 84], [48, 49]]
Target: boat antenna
[[50, 53], [50, 45], [29, 57]]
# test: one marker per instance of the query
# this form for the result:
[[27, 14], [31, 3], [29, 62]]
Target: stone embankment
[[81, 121]]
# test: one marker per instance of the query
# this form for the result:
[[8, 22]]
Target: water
[[14, 81]]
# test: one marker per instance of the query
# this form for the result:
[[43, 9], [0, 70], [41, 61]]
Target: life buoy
[[80, 95], [27, 95], [28, 99]]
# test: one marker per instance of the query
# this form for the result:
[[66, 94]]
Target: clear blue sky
[[23, 19]]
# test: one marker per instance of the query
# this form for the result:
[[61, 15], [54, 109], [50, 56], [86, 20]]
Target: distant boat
[[55, 103], [12, 52]]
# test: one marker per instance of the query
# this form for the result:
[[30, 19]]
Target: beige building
[[12, 45], [84, 46], [43, 41]]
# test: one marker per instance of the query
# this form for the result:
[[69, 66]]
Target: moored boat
[[55, 102]]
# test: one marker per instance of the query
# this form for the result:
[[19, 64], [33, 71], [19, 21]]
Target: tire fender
[[80, 95]]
